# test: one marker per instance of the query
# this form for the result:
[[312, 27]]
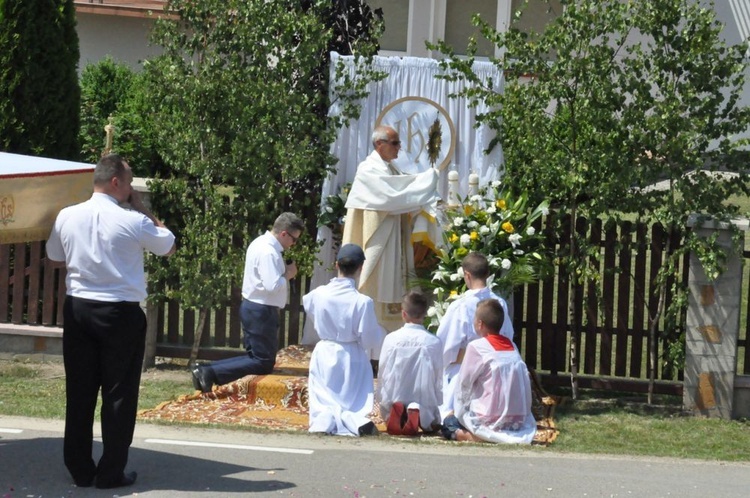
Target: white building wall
[[125, 39]]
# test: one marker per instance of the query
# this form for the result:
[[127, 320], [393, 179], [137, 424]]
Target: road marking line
[[11, 431], [175, 442]]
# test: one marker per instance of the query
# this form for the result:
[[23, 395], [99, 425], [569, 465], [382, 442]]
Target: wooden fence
[[31, 290], [613, 325]]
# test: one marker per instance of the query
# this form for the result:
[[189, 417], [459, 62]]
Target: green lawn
[[38, 390], [605, 423]]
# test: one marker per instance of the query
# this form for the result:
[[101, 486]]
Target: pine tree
[[39, 93]]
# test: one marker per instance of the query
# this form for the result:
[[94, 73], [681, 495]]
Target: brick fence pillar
[[712, 329]]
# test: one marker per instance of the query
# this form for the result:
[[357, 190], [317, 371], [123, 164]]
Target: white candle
[[473, 184], [453, 188]]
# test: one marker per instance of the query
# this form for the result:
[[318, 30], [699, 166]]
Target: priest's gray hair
[[380, 133]]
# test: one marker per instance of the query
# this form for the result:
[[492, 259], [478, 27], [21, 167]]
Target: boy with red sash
[[493, 393]]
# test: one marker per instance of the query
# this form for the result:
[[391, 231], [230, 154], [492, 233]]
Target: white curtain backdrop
[[411, 77]]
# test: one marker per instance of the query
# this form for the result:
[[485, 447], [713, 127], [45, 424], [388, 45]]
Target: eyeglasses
[[294, 239], [395, 143]]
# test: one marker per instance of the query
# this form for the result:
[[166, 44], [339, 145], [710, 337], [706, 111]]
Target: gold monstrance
[[434, 142]]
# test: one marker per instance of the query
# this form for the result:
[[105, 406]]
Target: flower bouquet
[[333, 214], [500, 227]]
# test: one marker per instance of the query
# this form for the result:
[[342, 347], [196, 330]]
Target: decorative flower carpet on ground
[[279, 401]]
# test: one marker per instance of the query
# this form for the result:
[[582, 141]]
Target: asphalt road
[[194, 462]]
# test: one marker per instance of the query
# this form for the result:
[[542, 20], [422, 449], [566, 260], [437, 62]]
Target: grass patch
[[26, 391], [154, 392], [38, 390], [608, 423]]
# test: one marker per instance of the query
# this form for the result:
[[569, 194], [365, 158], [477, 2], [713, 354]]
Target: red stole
[[500, 342]]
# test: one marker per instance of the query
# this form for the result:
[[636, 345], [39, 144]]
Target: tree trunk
[[573, 342], [652, 342], [203, 313], [573, 254], [654, 323]]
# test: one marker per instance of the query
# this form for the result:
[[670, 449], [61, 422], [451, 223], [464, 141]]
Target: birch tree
[[612, 96], [240, 97]]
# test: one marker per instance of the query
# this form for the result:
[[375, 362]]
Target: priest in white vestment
[[381, 208], [410, 369], [340, 385], [493, 393], [456, 329]]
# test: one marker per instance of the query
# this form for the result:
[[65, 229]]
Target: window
[[408, 23], [458, 27], [536, 14], [396, 17]]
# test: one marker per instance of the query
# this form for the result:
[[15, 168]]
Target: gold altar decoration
[[434, 142], [109, 134], [414, 119]]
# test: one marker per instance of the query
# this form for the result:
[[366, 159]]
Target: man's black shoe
[[194, 375], [85, 483], [125, 480], [368, 429], [203, 379]]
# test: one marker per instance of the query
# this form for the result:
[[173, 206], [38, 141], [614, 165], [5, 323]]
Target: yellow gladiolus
[[453, 238], [500, 204], [468, 209], [474, 235], [508, 227]]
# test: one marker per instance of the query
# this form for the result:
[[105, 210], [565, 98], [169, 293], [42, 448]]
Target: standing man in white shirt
[[264, 294], [104, 331]]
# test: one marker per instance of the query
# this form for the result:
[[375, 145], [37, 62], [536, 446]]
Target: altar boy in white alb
[[493, 392], [340, 385], [410, 370], [456, 328]]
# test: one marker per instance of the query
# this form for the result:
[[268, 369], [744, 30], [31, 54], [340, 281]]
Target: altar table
[[32, 192]]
